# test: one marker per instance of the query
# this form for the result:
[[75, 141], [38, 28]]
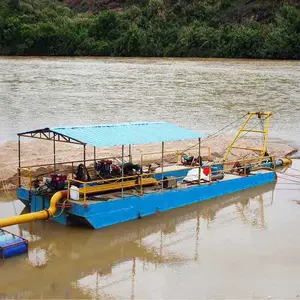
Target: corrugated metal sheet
[[128, 133]]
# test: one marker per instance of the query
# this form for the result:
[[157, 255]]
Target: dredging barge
[[115, 190]]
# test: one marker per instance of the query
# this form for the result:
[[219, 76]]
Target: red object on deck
[[206, 171]]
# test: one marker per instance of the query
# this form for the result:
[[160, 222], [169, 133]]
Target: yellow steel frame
[[265, 132]]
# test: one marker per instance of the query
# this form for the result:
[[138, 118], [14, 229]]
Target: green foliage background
[[183, 28]]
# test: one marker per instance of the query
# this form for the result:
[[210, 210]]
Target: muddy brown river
[[200, 94], [243, 246]]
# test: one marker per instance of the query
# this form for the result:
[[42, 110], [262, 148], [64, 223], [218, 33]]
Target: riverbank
[[41, 152]]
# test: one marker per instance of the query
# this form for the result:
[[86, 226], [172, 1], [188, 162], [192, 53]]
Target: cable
[[6, 189], [297, 170], [62, 210], [213, 135], [259, 122], [291, 180], [240, 137], [286, 182]]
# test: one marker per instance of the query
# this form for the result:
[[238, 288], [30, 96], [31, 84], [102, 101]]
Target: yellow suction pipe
[[286, 161], [40, 215]]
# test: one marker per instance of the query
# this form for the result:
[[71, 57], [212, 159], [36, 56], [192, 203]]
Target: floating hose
[[40, 215]]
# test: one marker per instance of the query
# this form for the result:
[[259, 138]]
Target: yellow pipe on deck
[[286, 161], [40, 215]]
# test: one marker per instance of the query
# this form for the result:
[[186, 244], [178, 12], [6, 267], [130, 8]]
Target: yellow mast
[[266, 117]]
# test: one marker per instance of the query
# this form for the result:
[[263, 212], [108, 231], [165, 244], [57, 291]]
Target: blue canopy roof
[[127, 133]]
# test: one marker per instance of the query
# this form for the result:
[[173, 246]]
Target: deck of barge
[[111, 196]]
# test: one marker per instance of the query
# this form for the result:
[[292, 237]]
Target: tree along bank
[[152, 29]]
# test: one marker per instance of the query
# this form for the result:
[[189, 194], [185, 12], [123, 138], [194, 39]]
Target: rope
[[263, 129], [213, 135], [288, 190], [62, 210], [9, 195], [289, 175], [294, 169], [291, 180], [259, 122], [240, 137], [6, 190], [286, 183], [29, 159]]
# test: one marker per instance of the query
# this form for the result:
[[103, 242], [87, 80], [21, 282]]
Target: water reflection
[[82, 263], [177, 230]]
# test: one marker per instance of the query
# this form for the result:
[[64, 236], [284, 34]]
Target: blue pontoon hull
[[100, 214]]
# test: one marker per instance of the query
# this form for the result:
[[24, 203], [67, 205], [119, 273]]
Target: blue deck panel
[[102, 214], [24, 195]]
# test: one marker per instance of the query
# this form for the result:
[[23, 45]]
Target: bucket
[[74, 192]]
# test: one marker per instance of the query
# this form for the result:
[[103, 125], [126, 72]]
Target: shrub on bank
[[155, 28]]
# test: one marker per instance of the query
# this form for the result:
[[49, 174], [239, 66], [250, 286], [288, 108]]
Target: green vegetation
[[183, 28]]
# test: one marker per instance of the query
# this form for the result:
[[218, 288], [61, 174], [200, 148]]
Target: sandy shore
[[41, 152]]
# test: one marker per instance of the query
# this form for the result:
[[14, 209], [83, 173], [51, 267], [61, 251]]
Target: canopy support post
[[199, 161], [19, 156], [84, 154], [130, 154], [94, 154], [162, 165], [122, 170], [54, 154]]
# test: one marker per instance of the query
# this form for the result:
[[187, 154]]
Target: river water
[[200, 94], [245, 246]]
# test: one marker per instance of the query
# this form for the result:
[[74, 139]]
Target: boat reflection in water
[[79, 262]]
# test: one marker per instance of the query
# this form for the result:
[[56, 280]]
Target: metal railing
[[177, 153], [228, 167], [85, 184], [26, 179], [26, 175]]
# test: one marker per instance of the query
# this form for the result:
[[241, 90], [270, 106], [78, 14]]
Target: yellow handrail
[[70, 162], [227, 167]]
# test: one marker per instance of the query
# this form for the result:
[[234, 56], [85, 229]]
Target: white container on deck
[[74, 192]]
